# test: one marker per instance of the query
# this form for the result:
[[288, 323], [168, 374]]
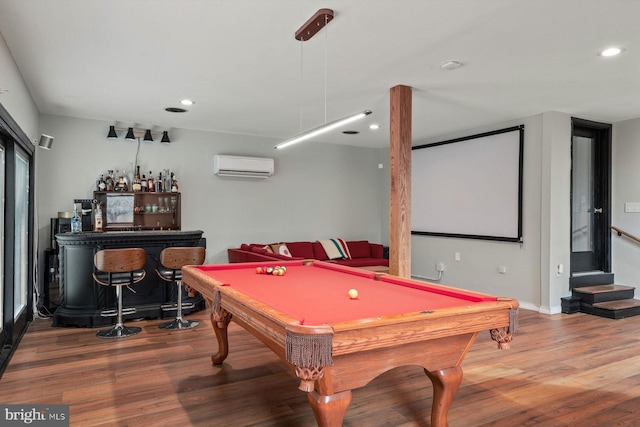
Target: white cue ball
[[353, 293]]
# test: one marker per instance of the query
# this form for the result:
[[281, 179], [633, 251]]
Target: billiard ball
[[353, 293], [259, 270]]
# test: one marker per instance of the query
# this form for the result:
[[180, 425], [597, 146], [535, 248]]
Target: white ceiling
[[126, 60]]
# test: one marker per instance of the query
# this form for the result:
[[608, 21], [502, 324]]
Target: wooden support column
[[400, 170]]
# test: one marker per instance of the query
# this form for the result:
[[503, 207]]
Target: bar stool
[[172, 260], [119, 267]]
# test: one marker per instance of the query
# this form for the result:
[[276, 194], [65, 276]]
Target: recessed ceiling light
[[611, 51], [175, 110], [187, 102], [374, 126], [451, 65]]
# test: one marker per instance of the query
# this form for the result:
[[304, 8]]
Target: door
[[590, 197]]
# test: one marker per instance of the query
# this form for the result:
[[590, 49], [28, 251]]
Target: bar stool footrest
[[171, 307]]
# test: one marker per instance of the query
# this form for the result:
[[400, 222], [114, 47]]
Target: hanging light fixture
[[147, 135], [313, 25], [324, 128]]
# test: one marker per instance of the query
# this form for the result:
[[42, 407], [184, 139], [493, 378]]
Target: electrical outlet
[[456, 256], [440, 266], [502, 269]]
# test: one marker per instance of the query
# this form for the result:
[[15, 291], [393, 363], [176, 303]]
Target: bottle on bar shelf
[[151, 184], [143, 183], [137, 185], [110, 184], [174, 184], [102, 185]]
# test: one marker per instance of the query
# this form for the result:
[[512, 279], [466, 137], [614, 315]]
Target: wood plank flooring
[[562, 370]]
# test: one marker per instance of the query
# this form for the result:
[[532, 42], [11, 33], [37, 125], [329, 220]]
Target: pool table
[[336, 343]]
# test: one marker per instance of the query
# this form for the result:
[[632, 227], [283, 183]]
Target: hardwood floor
[[562, 370]]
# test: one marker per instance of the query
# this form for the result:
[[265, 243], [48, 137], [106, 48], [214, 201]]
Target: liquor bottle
[[167, 180], [143, 183], [151, 186], [137, 185], [109, 182], [122, 184], [174, 184], [102, 185], [97, 219], [76, 222], [159, 181]]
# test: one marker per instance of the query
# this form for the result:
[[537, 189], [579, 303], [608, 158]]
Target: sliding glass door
[[16, 235], [21, 237], [2, 310]]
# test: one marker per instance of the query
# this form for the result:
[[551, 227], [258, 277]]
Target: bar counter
[[82, 300]]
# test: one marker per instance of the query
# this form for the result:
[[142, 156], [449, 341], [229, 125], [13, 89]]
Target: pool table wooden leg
[[445, 385], [329, 410], [220, 321]]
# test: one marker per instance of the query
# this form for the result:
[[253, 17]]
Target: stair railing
[[626, 234]]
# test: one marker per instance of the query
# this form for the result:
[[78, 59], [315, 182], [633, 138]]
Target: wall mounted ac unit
[[239, 166]]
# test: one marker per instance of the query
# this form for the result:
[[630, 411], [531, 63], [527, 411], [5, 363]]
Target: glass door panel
[[21, 244], [2, 168]]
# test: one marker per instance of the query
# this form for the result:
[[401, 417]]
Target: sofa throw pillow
[[359, 249], [335, 248], [281, 249], [301, 249], [267, 248]]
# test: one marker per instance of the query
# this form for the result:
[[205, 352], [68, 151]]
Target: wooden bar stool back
[[172, 260], [119, 267]]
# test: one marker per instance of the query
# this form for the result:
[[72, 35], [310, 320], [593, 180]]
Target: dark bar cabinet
[[82, 300]]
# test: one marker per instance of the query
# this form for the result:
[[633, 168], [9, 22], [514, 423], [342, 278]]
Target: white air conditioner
[[247, 167]]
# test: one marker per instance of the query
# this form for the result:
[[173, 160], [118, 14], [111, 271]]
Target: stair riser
[[611, 314], [590, 298], [591, 280]]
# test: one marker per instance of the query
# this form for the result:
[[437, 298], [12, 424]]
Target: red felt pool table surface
[[316, 295]]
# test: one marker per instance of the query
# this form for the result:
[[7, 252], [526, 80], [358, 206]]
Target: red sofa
[[363, 253]]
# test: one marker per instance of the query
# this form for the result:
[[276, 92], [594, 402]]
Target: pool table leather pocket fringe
[[309, 353]]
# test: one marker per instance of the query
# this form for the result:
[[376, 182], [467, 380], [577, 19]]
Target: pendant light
[[313, 25]]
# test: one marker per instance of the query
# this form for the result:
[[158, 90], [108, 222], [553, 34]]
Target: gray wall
[[17, 100], [529, 267], [318, 190], [626, 188]]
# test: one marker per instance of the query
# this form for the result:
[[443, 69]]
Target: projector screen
[[469, 187]]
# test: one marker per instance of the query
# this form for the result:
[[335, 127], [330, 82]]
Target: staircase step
[[590, 279], [602, 293], [613, 309]]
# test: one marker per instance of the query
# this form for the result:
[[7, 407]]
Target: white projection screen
[[469, 187]]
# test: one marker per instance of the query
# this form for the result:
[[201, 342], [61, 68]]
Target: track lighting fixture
[[130, 135], [165, 137], [134, 133], [112, 132]]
